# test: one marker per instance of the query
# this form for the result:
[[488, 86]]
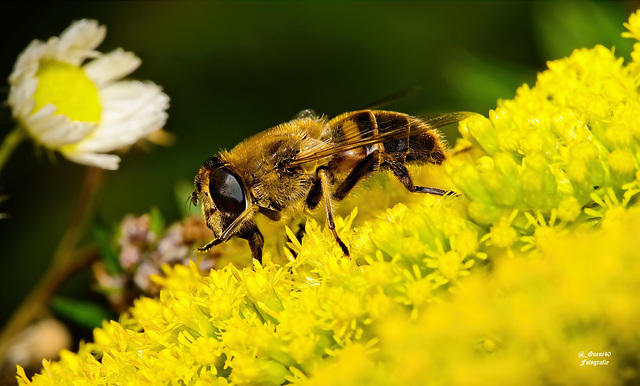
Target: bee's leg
[[212, 244], [252, 234], [315, 195], [365, 167], [368, 165], [270, 213], [402, 173], [326, 193]]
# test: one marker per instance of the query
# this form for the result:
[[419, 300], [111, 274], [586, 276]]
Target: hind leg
[[402, 173]]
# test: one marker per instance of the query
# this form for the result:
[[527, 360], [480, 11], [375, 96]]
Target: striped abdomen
[[394, 135]]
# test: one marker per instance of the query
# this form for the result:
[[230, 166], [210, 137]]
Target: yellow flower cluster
[[529, 278], [526, 322], [565, 144]]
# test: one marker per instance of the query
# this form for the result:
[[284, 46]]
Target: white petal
[[46, 112], [130, 111], [112, 66], [104, 161], [83, 35], [56, 130], [63, 131], [28, 61], [77, 42], [21, 97]]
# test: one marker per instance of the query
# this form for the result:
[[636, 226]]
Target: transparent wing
[[356, 140]]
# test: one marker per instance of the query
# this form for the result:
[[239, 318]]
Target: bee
[[310, 159]]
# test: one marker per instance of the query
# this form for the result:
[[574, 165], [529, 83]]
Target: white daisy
[[79, 108]]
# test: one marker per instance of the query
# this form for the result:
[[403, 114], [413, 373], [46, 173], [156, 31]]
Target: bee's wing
[[359, 139]]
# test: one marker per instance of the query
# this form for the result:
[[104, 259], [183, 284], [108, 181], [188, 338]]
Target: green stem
[[63, 264], [81, 214], [10, 143]]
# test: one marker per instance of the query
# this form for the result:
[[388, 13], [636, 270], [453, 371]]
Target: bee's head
[[222, 194]]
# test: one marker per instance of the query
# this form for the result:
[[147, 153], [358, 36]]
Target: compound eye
[[226, 192]]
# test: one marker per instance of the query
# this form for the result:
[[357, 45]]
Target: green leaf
[[157, 222], [565, 26], [87, 314], [482, 80], [183, 189], [103, 235]]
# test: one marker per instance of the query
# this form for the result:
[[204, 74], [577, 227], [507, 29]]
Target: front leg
[[252, 234], [210, 245]]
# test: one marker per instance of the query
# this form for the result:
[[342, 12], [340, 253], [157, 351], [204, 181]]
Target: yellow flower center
[[69, 89]]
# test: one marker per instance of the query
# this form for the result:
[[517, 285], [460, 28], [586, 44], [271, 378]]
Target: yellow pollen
[[68, 88]]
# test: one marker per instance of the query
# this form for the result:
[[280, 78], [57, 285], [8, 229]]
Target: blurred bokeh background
[[235, 68]]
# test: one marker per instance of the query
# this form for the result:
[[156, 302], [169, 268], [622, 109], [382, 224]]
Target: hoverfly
[[310, 159]]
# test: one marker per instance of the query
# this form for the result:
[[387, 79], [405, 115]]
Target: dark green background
[[236, 68]]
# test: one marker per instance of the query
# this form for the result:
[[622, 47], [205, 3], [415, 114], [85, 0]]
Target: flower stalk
[[68, 97], [10, 144], [65, 262]]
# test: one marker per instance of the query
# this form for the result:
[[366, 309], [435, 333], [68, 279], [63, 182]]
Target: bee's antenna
[[193, 200], [187, 207]]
